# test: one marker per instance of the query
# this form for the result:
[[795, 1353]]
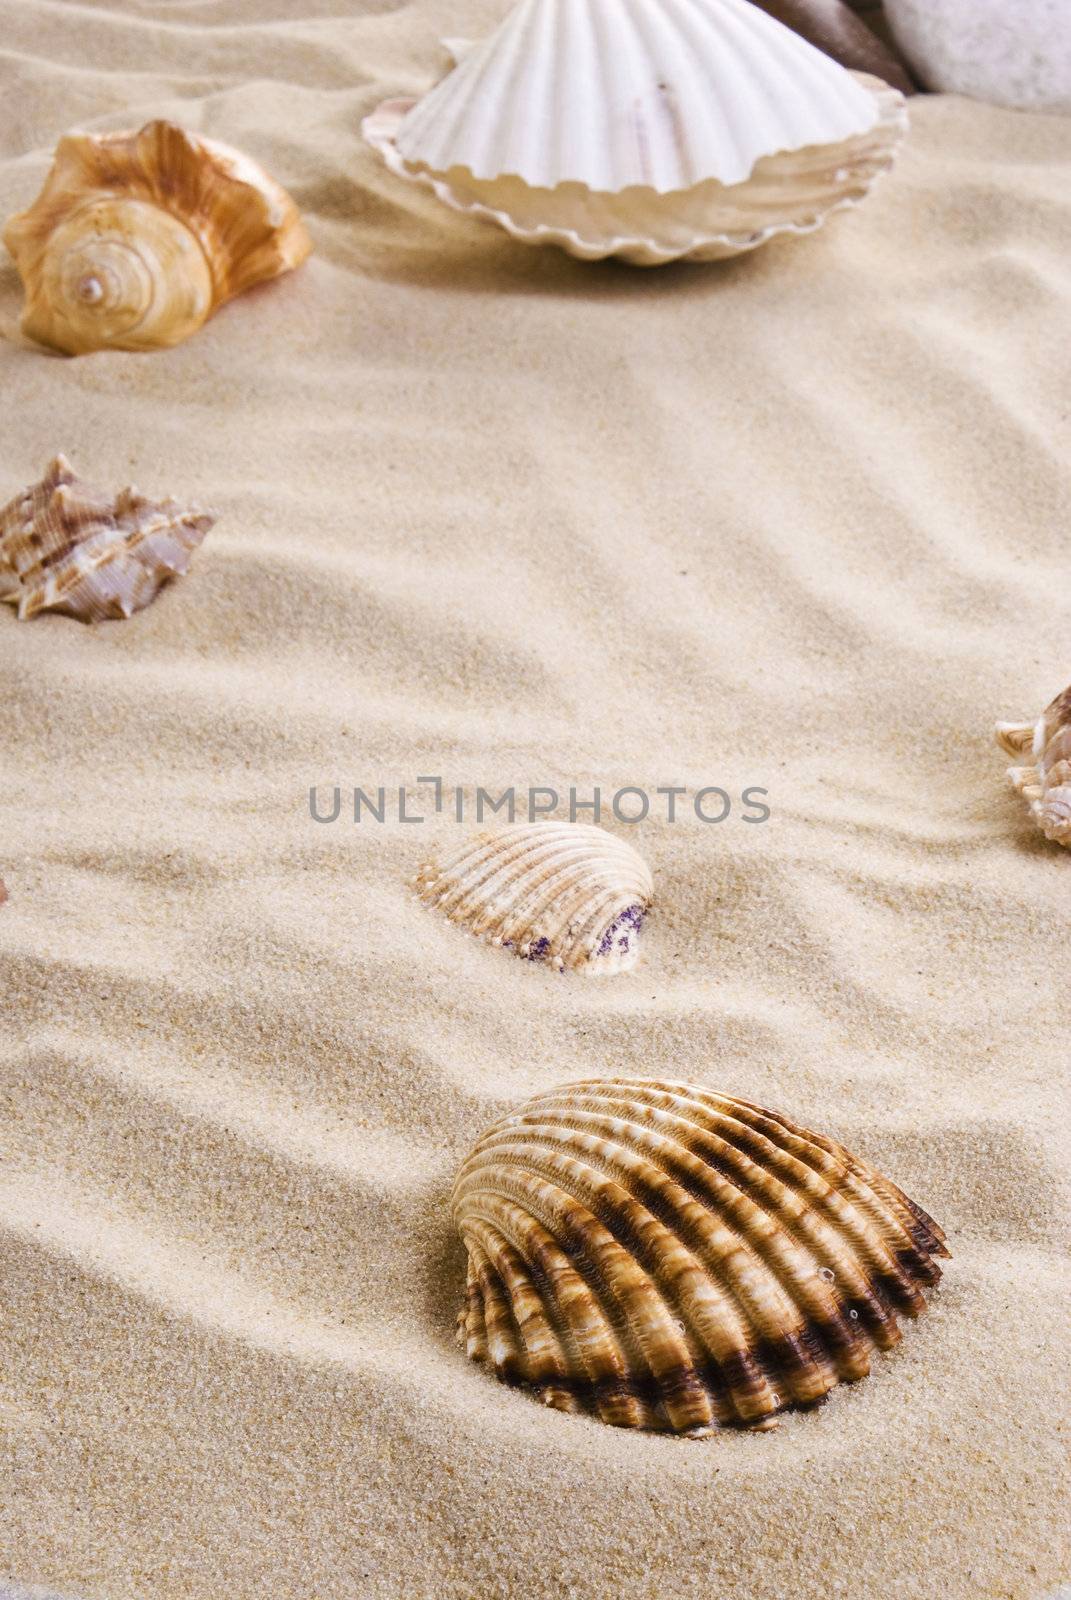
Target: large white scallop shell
[[566, 893], [1046, 785], [668, 1257], [649, 129]]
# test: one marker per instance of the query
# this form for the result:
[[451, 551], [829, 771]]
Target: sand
[[798, 522]]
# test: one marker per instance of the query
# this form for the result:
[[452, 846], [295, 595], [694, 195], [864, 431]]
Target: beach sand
[[798, 521]]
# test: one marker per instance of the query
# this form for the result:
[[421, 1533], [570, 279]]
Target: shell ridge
[[731, 31], [665, 1276], [927, 1236], [632, 1396], [570, 894], [541, 23], [437, 120], [471, 1327], [787, 134], [560, 1355], [805, 1180], [607, 1354], [539, 1354], [745, 1306], [839, 1208], [617, 46], [504, 1346], [629, 1304], [680, 139], [533, 911], [492, 855], [588, 936], [883, 1205], [699, 223], [544, 880], [628, 1238], [790, 1259], [557, 911], [810, 1218]]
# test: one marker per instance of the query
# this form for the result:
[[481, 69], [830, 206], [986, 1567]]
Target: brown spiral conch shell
[[567, 893], [65, 546], [1046, 785], [667, 1257], [137, 238]]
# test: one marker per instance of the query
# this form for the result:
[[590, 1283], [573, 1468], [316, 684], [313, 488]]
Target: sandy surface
[[799, 522]]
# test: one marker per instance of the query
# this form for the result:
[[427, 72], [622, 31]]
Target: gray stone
[[1011, 52]]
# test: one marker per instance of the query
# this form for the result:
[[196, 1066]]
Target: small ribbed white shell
[[566, 893], [615, 93]]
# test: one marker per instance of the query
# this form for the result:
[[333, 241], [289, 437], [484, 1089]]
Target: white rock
[[1011, 52]]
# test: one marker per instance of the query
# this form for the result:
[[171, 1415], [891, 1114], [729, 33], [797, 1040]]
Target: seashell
[[1047, 784], [567, 893], [833, 27], [3, 892], [667, 1257], [65, 546], [700, 128], [137, 238]]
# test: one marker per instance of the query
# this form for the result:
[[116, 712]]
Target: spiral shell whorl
[[671, 1258], [137, 238], [120, 273]]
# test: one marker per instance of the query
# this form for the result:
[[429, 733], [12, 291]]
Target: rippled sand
[[799, 521]]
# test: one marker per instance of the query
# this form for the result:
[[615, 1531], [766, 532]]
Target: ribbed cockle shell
[[667, 1257], [65, 546], [136, 238], [566, 893], [1046, 785]]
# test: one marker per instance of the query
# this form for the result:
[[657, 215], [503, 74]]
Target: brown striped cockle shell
[[566, 893], [65, 546], [667, 1257], [1046, 785]]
